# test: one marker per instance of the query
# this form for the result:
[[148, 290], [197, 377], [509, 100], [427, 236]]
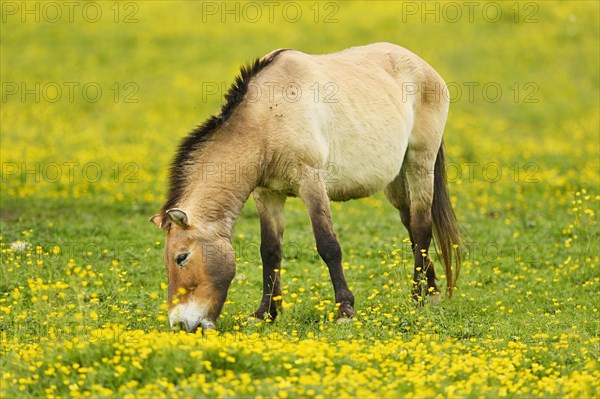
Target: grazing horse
[[320, 127]]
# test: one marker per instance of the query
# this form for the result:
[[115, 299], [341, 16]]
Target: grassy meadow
[[95, 97]]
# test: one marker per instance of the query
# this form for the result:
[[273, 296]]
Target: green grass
[[529, 281]]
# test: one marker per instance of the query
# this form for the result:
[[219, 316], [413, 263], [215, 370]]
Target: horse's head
[[200, 266]]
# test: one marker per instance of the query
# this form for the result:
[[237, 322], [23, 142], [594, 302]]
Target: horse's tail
[[445, 224]]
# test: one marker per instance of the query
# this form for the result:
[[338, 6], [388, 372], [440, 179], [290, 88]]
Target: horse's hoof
[[435, 299], [262, 316], [431, 295], [346, 311], [418, 299]]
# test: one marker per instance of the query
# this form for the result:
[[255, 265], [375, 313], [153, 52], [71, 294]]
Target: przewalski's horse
[[375, 113]]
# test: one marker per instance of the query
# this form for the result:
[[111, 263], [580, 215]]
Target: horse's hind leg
[[419, 174], [270, 211], [412, 194]]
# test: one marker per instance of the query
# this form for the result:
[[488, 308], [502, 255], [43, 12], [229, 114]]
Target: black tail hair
[[445, 224]]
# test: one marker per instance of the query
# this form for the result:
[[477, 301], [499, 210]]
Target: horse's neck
[[217, 192]]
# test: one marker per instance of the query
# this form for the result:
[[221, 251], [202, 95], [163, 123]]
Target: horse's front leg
[[314, 195], [270, 211]]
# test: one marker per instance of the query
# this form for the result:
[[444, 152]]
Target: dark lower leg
[[271, 299], [330, 251], [270, 210], [405, 217], [424, 273], [317, 202]]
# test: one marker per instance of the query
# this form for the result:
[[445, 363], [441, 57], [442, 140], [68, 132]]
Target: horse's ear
[[179, 217], [157, 220]]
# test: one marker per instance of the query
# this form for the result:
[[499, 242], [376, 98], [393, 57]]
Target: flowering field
[[95, 96]]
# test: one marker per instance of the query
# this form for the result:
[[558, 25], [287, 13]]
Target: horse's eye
[[182, 258]]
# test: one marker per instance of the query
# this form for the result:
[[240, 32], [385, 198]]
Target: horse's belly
[[360, 165]]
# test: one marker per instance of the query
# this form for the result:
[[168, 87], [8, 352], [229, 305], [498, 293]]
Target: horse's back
[[352, 115]]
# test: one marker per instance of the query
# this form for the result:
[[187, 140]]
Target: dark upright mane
[[235, 95]]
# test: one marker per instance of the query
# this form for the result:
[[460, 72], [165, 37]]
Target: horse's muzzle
[[189, 317]]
